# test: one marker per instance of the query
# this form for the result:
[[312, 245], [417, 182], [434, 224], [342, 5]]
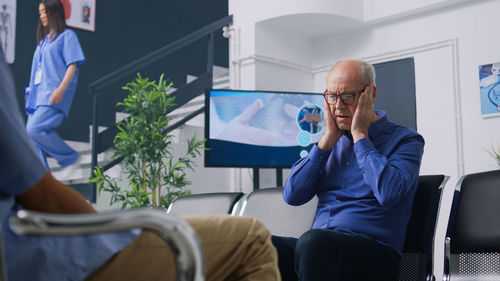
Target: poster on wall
[[489, 89], [80, 13], [8, 29]]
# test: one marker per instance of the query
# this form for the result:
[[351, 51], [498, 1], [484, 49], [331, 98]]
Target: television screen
[[260, 128]]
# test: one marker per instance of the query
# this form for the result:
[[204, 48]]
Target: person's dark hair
[[55, 13]]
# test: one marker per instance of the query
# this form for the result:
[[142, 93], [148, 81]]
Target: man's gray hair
[[368, 72]]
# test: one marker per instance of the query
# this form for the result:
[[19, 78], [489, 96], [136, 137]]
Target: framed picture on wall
[[489, 89], [8, 29], [80, 13]]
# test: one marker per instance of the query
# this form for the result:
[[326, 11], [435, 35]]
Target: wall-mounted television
[[260, 129]]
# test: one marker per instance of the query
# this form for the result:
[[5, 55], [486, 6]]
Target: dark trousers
[[323, 254]]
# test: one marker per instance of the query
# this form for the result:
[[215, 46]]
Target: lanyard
[[38, 73], [43, 44]]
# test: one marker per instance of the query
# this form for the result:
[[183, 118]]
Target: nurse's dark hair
[[55, 13]]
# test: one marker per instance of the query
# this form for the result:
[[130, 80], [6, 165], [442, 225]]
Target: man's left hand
[[363, 115]]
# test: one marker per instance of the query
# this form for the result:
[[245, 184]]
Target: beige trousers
[[234, 248]]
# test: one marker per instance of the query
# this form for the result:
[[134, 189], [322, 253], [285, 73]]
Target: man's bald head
[[365, 70]]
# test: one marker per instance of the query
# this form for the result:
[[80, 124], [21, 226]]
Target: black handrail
[[161, 53], [102, 141]]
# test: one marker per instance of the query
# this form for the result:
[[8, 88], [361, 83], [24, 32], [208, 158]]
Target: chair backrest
[[268, 206], [205, 203], [416, 259], [473, 242]]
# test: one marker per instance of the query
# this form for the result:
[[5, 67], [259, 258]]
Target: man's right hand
[[332, 132]]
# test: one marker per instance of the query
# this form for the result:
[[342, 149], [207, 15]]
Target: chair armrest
[[177, 233]]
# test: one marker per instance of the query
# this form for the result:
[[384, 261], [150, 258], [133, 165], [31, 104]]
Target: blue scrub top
[[32, 257], [53, 58]]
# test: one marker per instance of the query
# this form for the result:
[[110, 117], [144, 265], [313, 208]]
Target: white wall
[[448, 40], [387, 9], [472, 26]]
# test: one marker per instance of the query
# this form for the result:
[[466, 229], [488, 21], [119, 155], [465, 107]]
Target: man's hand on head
[[332, 132], [364, 114]]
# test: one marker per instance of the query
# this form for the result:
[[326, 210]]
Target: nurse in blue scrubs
[[54, 75]]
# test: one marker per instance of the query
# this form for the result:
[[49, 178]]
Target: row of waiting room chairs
[[257, 204], [473, 234], [472, 248]]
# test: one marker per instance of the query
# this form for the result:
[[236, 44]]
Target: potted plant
[[495, 153], [155, 177]]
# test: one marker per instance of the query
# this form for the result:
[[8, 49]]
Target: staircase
[[79, 179], [189, 104], [220, 81]]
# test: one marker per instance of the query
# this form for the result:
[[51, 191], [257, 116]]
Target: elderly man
[[364, 171]]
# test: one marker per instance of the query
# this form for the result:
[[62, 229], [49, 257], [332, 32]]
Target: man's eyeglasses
[[347, 98]]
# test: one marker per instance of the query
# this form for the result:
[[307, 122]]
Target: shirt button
[[330, 218]]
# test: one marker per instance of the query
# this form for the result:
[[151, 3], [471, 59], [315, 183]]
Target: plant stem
[[144, 174], [158, 188]]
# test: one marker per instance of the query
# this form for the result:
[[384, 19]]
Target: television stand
[[256, 178]]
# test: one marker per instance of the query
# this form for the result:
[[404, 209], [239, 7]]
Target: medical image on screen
[[263, 118], [257, 128], [310, 119]]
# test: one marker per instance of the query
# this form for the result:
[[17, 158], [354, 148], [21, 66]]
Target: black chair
[[472, 246], [205, 203], [176, 232], [268, 206], [416, 259]]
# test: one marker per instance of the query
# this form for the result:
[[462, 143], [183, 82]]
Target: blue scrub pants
[[41, 130]]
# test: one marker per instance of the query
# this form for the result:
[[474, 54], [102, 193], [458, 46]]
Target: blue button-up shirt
[[363, 188]]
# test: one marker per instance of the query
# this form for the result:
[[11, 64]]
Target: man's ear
[[374, 92]]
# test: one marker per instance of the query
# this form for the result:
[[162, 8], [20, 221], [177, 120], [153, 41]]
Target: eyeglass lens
[[346, 98]]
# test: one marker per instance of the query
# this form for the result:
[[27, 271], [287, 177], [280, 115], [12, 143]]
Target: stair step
[[220, 71], [81, 175], [86, 159], [221, 83]]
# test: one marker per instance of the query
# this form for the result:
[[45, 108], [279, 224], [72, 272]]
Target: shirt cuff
[[317, 155], [363, 147]]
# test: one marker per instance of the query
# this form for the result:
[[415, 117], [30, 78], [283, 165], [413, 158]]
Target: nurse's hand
[[56, 96]]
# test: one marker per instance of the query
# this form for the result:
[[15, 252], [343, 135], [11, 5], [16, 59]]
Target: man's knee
[[227, 228], [309, 243], [257, 228]]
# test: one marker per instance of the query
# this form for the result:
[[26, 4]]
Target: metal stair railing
[[100, 142]]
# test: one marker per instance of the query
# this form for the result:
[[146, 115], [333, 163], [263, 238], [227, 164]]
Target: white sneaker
[[67, 172]]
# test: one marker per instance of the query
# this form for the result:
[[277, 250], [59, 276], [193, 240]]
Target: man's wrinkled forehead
[[349, 69], [344, 76]]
